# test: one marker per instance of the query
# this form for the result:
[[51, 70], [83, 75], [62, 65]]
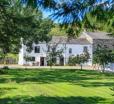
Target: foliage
[[100, 20], [53, 53], [72, 60], [27, 58], [18, 22], [41, 3], [103, 56], [56, 30], [94, 15], [79, 59]]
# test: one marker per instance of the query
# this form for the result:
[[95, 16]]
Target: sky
[[47, 14]]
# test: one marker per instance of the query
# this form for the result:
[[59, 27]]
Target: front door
[[61, 61], [41, 61]]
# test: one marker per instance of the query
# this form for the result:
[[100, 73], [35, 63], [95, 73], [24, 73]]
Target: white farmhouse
[[88, 41], [70, 47]]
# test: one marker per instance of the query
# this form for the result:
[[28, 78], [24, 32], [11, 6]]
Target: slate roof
[[63, 39], [58, 39], [99, 35]]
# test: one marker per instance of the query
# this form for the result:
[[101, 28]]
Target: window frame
[[85, 48], [70, 50], [37, 49], [32, 58]]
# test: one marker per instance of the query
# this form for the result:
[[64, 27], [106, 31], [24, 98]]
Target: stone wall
[[109, 43]]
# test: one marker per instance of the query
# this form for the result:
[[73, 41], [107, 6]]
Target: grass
[[56, 87]]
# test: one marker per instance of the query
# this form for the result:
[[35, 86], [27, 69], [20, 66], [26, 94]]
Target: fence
[[8, 60]]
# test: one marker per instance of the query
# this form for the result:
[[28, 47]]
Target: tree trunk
[[4, 62], [50, 66], [81, 66], [103, 70], [4, 58]]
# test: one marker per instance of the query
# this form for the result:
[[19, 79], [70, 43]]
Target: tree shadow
[[44, 76], [5, 90], [79, 77], [96, 84], [52, 100]]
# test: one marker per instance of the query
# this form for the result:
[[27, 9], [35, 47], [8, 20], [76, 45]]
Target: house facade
[[70, 47]]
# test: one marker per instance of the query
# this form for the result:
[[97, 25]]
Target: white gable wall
[[21, 55]]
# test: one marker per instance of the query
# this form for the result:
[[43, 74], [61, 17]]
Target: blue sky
[[47, 14]]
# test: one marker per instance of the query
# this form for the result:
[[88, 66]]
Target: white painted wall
[[76, 49], [112, 66]]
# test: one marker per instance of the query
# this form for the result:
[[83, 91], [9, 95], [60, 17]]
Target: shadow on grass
[[52, 100], [5, 90], [79, 77]]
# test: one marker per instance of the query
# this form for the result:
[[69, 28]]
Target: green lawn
[[56, 87]]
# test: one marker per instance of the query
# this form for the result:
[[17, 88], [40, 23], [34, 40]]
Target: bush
[[5, 67], [4, 70]]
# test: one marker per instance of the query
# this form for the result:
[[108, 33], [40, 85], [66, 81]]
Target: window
[[48, 49], [70, 50], [32, 58], [98, 45], [105, 46], [37, 49], [53, 49], [85, 49]]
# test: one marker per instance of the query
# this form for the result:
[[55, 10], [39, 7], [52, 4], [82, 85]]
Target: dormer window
[[37, 49]]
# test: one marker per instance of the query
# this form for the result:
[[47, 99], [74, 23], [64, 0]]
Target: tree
[[56, 30], [53, 53], [79, 15], [42, 3], [99, 19], [83, 58], [103, 56], [18, 22], [7, 29], [79, 59], [72, 60]]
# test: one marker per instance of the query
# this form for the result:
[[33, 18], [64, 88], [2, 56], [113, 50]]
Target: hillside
[[57, 31]]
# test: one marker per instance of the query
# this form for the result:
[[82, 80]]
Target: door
[[62, 61], [41, 61]]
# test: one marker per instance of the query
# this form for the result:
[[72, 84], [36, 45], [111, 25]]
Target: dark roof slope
[[63, 39], [99, 35], [81, 41]]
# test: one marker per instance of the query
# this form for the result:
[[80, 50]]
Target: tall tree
[[53, 53], [17, 22], [103, 56], [80, 14], [100, 19]]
